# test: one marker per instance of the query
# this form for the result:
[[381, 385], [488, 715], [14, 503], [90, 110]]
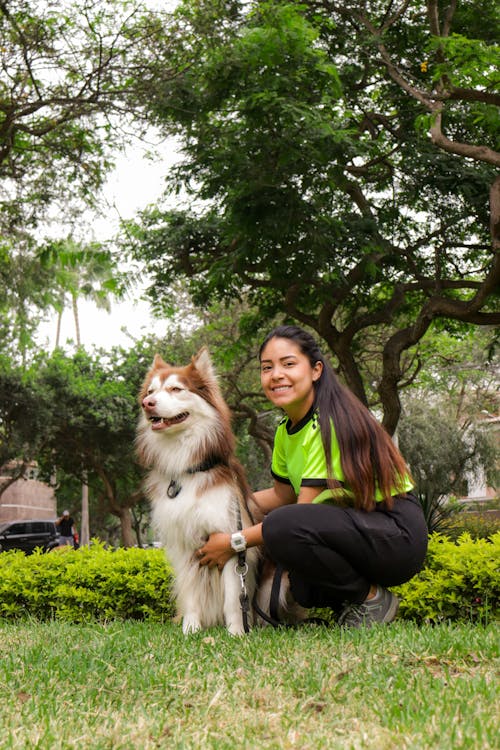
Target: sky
[[135, 182]]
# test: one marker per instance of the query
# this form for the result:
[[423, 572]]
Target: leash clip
[[241, 570]]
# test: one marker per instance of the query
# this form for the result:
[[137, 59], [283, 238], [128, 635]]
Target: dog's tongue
[[159, 423]]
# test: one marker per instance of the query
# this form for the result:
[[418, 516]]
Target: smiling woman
[[340, 517], [288, 377]]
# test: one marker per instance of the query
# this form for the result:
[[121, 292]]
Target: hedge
[[460, 581], [92, 583]]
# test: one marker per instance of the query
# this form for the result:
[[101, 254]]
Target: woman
[[340, 517]]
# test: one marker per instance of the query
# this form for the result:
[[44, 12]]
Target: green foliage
[[327, 201], [479, 524], [460, 581], [25, 291], [467, 62], [67, 70], [91, 583], [441, 454], [24, 415]]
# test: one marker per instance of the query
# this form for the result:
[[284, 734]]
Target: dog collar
[[205, 465], [174, 487]]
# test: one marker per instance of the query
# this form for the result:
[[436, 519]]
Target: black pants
[[334, 554]]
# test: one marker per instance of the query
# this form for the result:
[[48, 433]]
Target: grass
[[144, 685]]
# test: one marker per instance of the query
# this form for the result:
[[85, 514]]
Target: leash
[[241, 569], [273, 617]]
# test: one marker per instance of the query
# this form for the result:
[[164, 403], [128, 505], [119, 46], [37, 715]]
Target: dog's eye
[[175, 389]]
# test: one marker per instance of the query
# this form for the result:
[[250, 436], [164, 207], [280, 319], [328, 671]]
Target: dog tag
[[173, 488]]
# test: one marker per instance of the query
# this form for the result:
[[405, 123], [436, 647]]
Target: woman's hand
[[216, 551]]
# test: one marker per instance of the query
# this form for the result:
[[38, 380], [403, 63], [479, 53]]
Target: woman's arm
[[264, 501], [307, 494], [217, 550]]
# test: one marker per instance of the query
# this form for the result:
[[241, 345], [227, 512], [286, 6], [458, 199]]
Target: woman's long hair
[[369, 458]]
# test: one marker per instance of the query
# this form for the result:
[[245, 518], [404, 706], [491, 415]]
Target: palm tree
[[86, 271], [82, 271]]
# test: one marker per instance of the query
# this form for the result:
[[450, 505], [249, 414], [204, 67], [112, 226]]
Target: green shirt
[[299, 460]]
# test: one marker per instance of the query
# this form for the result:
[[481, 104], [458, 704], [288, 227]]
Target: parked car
[[27, 535]]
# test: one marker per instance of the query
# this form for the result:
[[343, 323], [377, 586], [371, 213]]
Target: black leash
[[273, 617], [241, 569]]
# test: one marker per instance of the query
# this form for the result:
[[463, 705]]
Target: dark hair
[[369, 458]]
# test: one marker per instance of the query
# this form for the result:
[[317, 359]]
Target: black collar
[[174, 487], [205, 465]]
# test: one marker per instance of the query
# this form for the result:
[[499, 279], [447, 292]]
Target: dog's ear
[[203, 363], [159, 362]]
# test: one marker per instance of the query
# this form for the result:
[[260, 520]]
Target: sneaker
[[382, 608]]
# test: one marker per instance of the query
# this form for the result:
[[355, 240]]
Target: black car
[[27, 535]]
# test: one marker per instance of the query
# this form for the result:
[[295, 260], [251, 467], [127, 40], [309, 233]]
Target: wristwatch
[[238, 542]]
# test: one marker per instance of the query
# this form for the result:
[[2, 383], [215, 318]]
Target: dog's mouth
[[160, 423]]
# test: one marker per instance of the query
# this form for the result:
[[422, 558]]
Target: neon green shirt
[[299, 460]]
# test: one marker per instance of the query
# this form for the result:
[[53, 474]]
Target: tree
[[70, 72], [24, 415], [441, 454], [82, 271], [25, 287], [328, 202], [90, 435]]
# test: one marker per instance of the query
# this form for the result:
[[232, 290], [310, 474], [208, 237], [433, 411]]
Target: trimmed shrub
[[479, 524], [92, 583], [460, 581]]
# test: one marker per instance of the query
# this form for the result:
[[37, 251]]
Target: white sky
[[136, 182]]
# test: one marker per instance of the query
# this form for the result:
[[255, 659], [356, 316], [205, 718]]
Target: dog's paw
[[235, 627], [190, 624]]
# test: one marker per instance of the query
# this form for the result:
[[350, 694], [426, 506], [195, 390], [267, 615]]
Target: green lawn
[[144, 685]]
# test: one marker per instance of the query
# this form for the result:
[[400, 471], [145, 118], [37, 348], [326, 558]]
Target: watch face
[[238, 542]]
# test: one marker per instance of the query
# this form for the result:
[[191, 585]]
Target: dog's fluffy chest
[[186, 519]]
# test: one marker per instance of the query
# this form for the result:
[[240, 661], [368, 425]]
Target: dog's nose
[[149, 402]]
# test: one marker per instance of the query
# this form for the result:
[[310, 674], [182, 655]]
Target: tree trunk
[[58, 329], [85, 526], [120, 511], [76, 317], [127, 531], [495, 214]]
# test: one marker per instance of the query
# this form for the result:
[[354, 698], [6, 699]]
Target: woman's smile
[[287, 377]]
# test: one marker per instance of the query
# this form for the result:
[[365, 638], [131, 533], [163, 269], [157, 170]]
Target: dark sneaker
[[382, 608]]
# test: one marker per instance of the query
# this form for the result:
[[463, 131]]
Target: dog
[[196, 486]]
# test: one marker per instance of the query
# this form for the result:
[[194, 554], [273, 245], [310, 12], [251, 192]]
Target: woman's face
[[287, 377]]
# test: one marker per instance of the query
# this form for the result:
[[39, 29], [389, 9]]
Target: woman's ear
[[317, 370]]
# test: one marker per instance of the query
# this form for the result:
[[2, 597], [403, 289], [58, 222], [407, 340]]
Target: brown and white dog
[[196, 486]]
